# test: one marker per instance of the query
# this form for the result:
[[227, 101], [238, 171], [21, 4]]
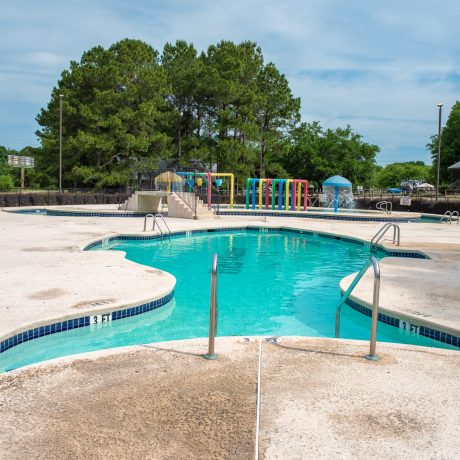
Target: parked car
[[424, 187], [394, 191], [416, 185]]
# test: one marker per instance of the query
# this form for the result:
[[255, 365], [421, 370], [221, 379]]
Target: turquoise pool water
[[270, 283]]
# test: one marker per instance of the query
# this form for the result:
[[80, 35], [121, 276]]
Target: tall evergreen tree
[[113, 104], [183, 69], [277, 112]]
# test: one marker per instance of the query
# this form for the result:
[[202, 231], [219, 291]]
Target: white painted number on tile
[[408, 328], [100, 319]]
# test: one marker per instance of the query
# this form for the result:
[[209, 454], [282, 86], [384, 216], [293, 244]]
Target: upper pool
[[314, 213], [270, 283]]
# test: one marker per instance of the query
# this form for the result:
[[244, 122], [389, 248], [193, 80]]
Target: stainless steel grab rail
[[385, 206], [160, 216], [455, 214], [145, 220], [375, 304], [213, 311], [347, 293], [379, 235], [449, 216], [375, 311]]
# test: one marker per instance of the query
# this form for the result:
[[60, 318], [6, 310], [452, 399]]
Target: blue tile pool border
[[386, 251], [75, 323], [313, 215], [408, 326]]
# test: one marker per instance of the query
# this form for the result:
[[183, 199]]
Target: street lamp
[[439, 149], [60, 142]]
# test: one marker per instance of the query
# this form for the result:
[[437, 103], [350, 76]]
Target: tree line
[[128, 106]]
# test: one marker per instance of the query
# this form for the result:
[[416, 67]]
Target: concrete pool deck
[[318, 399]]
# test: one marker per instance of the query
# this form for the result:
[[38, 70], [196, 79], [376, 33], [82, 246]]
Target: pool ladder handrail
[[449, 215], [375, 304], [213, 311], [385, 206], [155, 217], [380, 234], [145, 220]]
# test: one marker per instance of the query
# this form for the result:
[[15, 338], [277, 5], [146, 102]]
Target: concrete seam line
[[256, 453]]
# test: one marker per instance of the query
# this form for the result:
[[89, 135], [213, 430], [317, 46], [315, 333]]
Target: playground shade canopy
[[339, 186], [168, 177], [337, 181]]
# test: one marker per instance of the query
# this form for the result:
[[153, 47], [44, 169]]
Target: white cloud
[[381, 67], [46, 59]]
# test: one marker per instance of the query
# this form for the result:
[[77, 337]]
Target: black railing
[[54, 198]]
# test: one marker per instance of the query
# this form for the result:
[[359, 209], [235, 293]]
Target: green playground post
[[248, 181]]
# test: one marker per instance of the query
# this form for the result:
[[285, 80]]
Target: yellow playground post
[[288, 183], [232, 186], [299, 196]]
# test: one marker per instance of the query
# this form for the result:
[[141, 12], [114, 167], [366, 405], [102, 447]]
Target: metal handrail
[[379, 235], [347, 293], [145, 220], [213, 311], [375, 304], [385, 206], [449, 216], [372, 356], [185, 201], [313, 201], [160, 216]]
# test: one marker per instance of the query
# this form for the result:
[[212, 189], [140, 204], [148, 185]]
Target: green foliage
[[124, 108], [113, 105], [392, 175], [5, 169], [450, 145], [6, 183], [317, 154], [278, 113]]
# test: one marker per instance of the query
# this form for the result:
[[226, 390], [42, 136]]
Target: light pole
[[60, 142], [439, 149]]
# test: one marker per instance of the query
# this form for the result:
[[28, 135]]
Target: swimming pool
[[362, 215], [270, 283]]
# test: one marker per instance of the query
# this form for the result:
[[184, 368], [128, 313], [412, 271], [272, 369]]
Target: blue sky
[[379, 66]]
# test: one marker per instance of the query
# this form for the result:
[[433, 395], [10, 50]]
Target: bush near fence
[[55, 198]]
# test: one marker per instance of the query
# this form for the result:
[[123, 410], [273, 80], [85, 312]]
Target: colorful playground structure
[[194, 177], [289, 193]]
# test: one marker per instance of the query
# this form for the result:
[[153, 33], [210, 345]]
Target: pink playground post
[[304, 182], [267, 186]]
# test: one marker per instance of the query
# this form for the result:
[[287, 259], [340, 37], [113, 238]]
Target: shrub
[[6, 183]]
